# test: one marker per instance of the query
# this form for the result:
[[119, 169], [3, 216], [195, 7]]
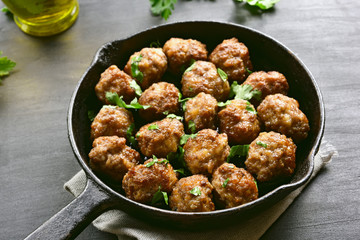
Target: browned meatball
[[161, 97], [204, 77], [206, 151], [271, 156], [201, 110], [268, 83], [160, 138], [233, 186], [282, 114], [233, 58], [111, 121], [111, 156], [153, 65], [117, 81], [239, 122], [192, 194], [143, 181], [180, 52]]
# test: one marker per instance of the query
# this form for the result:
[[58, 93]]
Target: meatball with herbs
[[201, 111], [282, 114], [239, 121], [233, 186], [163, 98], [117, 81], [271, 156], [110, 156], [192, 194], [110, 121], [180, 52], [268, 83], [233, 58], [206, 151], [142, 181], [160, 138], [147, 66], [203, 76]]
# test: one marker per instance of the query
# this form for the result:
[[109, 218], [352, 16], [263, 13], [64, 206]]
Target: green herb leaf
[[181, 171], [129, 135], [153, 127], [224, 104], [193, 62], [263, 4], [5, 10], [225, 183], [196, 191], [155, 44], [114, 98], [91, 115], [192, 126], [6, 65], [250, 109], [177, 158], [175, 116], [262, 144], [185, 137], [156, 160], [162, 7], [256, 183], [136, 87], [222, 74], [238, 150], [135, 71], [158, 196], [244, 92], [249, 71]]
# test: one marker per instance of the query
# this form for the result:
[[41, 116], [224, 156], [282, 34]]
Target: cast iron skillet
[[266, 54]]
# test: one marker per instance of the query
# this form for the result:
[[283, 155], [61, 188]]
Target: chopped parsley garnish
[[129, 135], [222, 74], [196, 191], [192, 126], [224, 104], [262, 144], [245, 92], [162, 7], [249, 71], [193, 62], [156, 160], [225, 183], [256, 183], [153, 127], [250, 109], [135, 71], [181, 171], [262, 4], [91, 115], [175, 116], [158, 196], [136, 87], [6, 65], [155, 44], [185, 137], [177, 159], [114, 98], [238, 150]]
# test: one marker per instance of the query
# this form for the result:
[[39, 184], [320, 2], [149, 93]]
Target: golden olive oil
[[43, 17]]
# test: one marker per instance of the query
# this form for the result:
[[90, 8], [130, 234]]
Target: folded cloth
[[128, 227]]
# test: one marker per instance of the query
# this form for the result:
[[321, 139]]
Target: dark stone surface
[[35, 155]]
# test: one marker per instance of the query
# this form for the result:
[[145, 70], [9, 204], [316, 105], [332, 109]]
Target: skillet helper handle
[[70, 221]]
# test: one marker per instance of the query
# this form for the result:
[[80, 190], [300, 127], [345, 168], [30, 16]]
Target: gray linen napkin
[[127, 227]]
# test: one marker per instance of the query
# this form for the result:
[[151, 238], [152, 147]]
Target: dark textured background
[[36, 158]]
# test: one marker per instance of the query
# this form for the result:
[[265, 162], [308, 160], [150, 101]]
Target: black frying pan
[[266, 54]]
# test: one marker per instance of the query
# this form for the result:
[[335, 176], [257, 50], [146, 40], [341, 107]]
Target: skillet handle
[[76, 216]]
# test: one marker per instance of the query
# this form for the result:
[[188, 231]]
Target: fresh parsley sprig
[[114, 98], [156, 160], [238, 150], [262, 4], [196, 191], [186, 137], [162, 8], [158, 196], [136, 87], [135, 71], [6, 65], [245, 92]]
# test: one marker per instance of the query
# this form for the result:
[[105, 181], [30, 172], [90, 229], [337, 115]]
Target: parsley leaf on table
[[263, 4], [162, 7], [6, 65]]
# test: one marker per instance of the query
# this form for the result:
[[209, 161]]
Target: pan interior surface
[[266, 54]]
